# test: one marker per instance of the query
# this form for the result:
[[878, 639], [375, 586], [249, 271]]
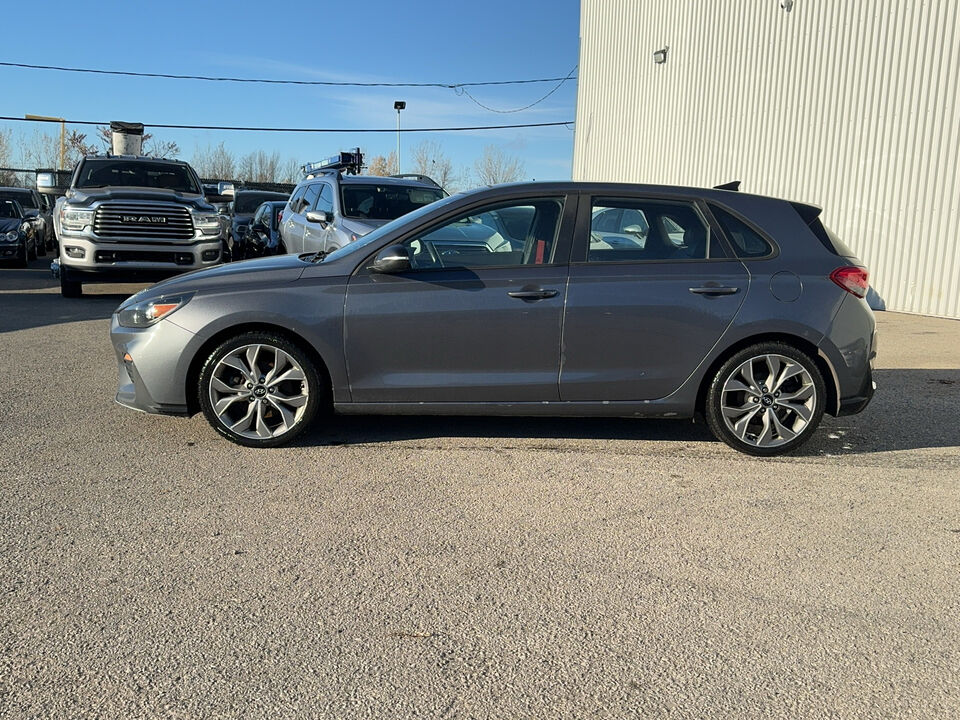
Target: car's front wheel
[[259, 389], [767, 399]]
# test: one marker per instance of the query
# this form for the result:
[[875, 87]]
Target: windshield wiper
[[319, 256]]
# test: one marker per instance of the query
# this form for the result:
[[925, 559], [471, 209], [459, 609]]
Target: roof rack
[[421, 178], [351, 162]]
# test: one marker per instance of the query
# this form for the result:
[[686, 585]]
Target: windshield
[[372, 237], [8, 209], [137, 173], [386, 201], [246, 203], [24, 198]]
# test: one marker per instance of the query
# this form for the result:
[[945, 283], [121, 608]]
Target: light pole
[[63, 134], [398, 106]]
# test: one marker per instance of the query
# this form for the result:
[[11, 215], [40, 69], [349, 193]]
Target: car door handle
[[532, 294], [714, 290]]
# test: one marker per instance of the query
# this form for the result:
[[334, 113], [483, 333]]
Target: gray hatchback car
[[531, 299]]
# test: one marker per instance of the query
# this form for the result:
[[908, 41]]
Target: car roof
[[165, 161]]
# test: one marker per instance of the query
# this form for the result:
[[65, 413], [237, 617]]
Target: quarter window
[[636, 230], [297, 197], [747, 242], [523, 233]]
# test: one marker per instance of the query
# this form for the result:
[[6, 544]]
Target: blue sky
[[376, 40]]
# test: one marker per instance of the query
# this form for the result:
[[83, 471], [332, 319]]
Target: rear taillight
[[854, 280]]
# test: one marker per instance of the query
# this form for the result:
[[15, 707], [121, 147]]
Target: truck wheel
[[69, 288]]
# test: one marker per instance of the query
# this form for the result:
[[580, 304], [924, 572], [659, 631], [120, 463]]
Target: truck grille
[[143, 220]]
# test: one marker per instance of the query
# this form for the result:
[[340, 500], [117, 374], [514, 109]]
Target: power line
[[460, 90], [170, 126], [266, 81]]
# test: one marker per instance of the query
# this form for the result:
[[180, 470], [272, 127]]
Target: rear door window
[[640, 229], [296, 198]]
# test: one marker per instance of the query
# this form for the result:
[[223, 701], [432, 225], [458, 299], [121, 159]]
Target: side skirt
[[647, 409]]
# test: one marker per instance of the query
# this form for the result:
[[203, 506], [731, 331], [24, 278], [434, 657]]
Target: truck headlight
[[207, 224], [71, 219], [11, 236], [149, 312]]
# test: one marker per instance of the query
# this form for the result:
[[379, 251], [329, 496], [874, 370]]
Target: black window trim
[[585, 217], [775, 252]]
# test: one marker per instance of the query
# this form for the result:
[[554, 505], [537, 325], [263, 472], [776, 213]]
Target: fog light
[[184, 259], [127, 358], [210, 254], [75, 252]]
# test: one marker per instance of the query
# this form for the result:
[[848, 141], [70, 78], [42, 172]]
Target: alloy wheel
[[258, 391], [768, 400]]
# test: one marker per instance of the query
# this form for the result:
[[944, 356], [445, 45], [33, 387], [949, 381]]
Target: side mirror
[[225, 189], [635, 230], [392, 259], [317, 216], [46, 182]]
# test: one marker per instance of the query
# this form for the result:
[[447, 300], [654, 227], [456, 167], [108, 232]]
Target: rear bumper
[[858, 403]]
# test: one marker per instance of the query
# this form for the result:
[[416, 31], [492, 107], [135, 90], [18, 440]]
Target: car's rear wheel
[[767, 399], [260, 390]]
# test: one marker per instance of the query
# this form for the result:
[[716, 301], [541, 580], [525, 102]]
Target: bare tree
[[259, 167], [214, 163], [6, 140], [429, 159], [495, 167], [383, 165], [39, 150], [290, 171]]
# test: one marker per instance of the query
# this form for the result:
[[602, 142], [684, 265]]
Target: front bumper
[[147, 367], [121, 261], [12, 250]]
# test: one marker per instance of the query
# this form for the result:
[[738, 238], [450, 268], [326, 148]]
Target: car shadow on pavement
[[25, 310], [913, 409]]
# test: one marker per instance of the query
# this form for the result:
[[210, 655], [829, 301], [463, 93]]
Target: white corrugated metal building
[[847, 104]]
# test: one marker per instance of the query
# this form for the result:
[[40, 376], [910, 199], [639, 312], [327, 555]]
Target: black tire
[[313, 386], [755, 439], [69, 288]]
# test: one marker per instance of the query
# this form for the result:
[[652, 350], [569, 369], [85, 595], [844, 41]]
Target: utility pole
[[398, 106], [63, 135]]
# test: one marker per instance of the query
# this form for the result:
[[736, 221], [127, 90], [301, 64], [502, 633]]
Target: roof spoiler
[[734, 185], [808, 213]]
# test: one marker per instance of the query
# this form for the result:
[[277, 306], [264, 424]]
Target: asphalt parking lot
[[469, 568]]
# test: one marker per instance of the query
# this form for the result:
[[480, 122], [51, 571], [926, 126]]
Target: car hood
[[8, 224], [85, 196], [274, 270]]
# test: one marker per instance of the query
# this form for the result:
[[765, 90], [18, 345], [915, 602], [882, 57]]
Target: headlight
[[208, 224], [150, 312], [12, 236], [71, 219]]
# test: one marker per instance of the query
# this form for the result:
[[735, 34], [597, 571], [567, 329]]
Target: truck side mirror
[[46, 182], [225, 189]]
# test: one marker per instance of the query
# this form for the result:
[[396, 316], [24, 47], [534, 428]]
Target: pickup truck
[[127, 218]]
